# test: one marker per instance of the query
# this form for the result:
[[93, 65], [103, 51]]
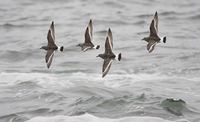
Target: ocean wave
[[61, 80], [13, 118], [44, 80], [91, 118]]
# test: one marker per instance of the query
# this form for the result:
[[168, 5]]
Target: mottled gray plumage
[[51, 46], [88, 39]]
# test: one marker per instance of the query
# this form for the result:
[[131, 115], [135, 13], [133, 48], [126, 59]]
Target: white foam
[[57, 81], [124, 79], [91, 118]]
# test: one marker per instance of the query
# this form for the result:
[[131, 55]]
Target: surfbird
[[51, 46], [153, 38], [88, 39], [108, 55]]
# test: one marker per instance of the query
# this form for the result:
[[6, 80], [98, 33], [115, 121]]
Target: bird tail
[[97, 47], [61, 49], [119, 57], [164, 39]]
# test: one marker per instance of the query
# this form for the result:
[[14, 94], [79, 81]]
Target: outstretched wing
[[108, 46], [52, 30], [151, 45], [110, 37], [156, 21], [49, 57], [51, 36], [106, 66], [87, 36], [90, 29], [153, 32]]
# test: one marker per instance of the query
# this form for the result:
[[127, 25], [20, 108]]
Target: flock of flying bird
[[108, 55]]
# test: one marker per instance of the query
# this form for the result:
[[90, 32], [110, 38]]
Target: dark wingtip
[[164, 39], [61, 49], [119, 57], [107, 38], [90, 21], [98, 46], [109, 30], [87, 29]]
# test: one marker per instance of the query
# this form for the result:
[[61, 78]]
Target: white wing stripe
[[110, 42], [50, 57], [107, 67], [151, 48], [155, 25], [90, 33], [85, 49]]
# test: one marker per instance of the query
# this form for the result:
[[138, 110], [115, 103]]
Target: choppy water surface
[[72, 89]]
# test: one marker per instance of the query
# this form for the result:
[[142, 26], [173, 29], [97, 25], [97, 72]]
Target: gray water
[[73, 86]]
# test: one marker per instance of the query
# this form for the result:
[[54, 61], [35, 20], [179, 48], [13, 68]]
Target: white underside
[[59, 49], [95, 47], [117, 57]]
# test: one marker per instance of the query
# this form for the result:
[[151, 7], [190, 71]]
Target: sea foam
[[91, 118]]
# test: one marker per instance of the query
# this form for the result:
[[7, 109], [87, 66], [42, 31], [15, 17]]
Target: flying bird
[[108, 55], [51, 46], [88, 39], [153, 38]]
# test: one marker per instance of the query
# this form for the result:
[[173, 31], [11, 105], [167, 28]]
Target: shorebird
[[108, 55], [51, 46], [153, 38], [88, 39]]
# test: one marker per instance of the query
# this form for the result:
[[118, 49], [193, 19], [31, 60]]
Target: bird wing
[[110, 37], [106, 66], [108, 46], [85, 48], [88, 37], [153, 32], [151, 45], [52, 30], [51, 36], [90, 29], [156, 21], [49, 57]]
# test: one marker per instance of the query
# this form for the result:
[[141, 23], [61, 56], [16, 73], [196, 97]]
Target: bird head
[[78, 45], [145, 39], [100, 55], [43, 47]]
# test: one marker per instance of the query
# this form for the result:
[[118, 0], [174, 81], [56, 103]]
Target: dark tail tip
[[61, 48], [164, 39], [98, 46], [119, 57]]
